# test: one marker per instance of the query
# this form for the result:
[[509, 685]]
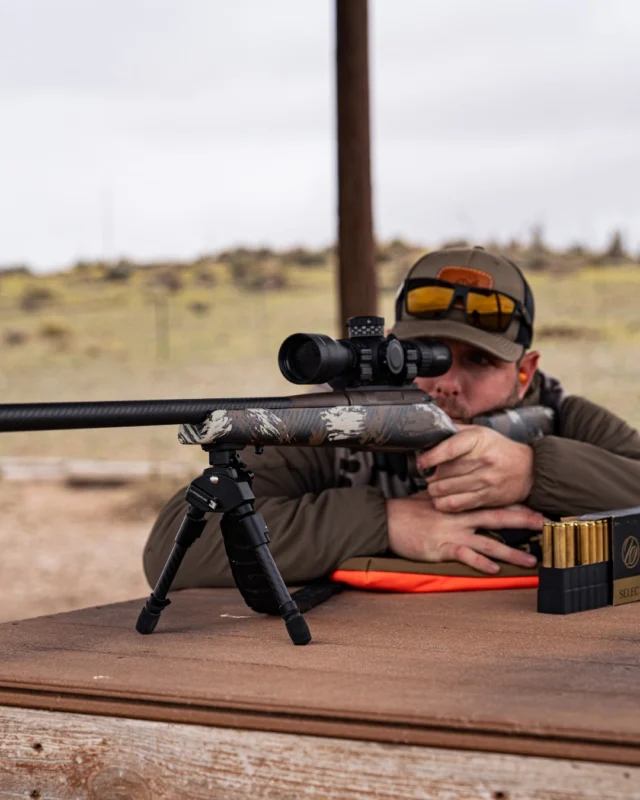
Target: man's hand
[[478, 468], [417, 530]]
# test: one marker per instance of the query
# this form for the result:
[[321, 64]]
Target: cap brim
[[493, 343]]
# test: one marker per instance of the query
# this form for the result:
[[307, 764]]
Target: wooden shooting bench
[[467, 695]]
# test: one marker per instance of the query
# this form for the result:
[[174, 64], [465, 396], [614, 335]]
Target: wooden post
[[356, 253], [161, 303]]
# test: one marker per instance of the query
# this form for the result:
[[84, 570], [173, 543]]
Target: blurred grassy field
[[98, 340]]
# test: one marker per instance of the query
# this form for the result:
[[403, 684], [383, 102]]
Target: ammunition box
[[621, 530], [608, 562]]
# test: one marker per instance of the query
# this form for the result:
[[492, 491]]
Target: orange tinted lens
[[429, 299], [491, 312]]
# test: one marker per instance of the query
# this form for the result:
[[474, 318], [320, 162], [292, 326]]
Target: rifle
[[373, 405]]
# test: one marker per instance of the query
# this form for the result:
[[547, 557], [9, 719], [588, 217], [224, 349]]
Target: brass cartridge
[[599, 540], [570, 534], [583, 534], [559, 545], [593, 543], [547, 544]]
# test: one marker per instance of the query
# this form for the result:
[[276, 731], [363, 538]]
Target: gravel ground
[[66, 548]]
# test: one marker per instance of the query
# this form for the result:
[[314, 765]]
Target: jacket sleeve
[[594, 466], [313, 524]]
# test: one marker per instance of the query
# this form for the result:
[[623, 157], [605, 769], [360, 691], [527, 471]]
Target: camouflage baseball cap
[[469, 266]]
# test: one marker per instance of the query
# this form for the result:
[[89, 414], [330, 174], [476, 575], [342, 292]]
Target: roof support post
[[356, 251]]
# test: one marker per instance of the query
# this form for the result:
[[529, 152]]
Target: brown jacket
[[316, 521]]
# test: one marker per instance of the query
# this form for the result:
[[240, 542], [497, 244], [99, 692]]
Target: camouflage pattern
[[379, 427], [520, 424]]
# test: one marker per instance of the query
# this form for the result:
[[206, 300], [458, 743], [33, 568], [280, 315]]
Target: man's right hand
[[421, 533]]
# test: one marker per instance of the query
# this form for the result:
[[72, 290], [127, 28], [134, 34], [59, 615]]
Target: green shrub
[[55, 329], [36, 298]]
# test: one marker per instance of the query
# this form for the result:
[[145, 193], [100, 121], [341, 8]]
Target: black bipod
[[225, 486]]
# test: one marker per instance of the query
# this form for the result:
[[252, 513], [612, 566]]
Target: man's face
[[478, 382]]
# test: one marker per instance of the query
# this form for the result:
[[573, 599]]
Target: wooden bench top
[[475, 670]]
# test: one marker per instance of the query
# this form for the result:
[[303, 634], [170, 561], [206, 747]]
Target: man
[[323, 506]]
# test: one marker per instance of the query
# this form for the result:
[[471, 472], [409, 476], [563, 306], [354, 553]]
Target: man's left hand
[[478, 468]]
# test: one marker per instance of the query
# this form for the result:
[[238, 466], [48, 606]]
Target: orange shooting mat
[[400, 575]]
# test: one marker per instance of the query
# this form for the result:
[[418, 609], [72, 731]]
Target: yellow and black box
[[623, 526], [590, 561]]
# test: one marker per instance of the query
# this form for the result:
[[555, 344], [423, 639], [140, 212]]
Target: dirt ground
[[65, 548]]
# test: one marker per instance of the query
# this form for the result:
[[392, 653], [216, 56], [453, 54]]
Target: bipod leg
[[225, 487], [247, 544], [190, 529]]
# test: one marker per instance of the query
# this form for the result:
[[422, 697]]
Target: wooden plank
[[475, 670], [59, 755], [356, 254]]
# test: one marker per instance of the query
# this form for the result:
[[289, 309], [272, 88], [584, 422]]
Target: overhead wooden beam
[[356, 251]]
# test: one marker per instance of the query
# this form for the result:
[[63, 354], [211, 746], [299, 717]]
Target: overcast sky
[[166, 128]]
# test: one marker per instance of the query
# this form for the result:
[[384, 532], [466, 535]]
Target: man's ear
[[527, 368]]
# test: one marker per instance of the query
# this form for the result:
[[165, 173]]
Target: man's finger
[[458, 445], [497, 518], [450, 551], [473, 482], [502, 552], [461, 466], [455, 503]]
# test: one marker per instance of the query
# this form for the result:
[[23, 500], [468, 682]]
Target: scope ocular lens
[[435, 359]]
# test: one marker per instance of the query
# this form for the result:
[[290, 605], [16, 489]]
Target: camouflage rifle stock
[[409, 426], [396, 420], [520, 424], [392, 428]]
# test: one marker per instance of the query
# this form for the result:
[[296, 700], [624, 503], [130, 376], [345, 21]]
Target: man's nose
[[448, 384]]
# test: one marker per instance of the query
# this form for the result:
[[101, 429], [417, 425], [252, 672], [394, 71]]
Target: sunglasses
[[430, 298]]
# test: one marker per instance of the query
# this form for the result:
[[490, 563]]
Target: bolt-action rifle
[[373, 404]]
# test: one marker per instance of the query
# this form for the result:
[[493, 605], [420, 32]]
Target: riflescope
[[366, 358]]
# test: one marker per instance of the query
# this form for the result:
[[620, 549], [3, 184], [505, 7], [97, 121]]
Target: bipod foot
[[150, 614], [296, 625]]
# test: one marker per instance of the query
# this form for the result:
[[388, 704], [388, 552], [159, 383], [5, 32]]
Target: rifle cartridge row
[[570, 544]]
